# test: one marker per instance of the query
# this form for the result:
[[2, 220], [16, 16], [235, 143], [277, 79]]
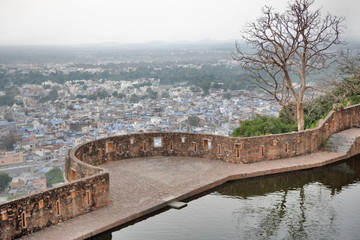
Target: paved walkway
[[142, 185]]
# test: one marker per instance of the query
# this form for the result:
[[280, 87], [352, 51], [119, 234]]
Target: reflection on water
[[322, 203]]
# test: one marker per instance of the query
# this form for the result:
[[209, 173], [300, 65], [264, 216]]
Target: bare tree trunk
[[300, 116], [293, 44]]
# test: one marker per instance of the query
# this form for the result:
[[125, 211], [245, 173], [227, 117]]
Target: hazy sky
[[124, 21]]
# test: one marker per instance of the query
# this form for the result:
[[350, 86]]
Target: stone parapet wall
[[37, 211], [229, 149]]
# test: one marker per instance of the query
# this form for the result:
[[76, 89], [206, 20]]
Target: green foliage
[[100, 94], [55, 175], [9, 98], [165, 95], [194, 121], [262, 125], [227, 95], [353, 100], [8, 116], [4, 181], [10, 140], [152, 94], [317, 109], [216, 85], [118, 95], [205, 86], [285, 118], [52, 96], [195, 89], [347, 93], [121, 95], [134, 98]]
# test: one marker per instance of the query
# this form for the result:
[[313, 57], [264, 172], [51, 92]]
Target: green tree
[[195, 89], [9, 98], [194, 121], [55, 175], [165, 95], [152, 94], [9, 116], [52, 96], [262, 125], [101, 94], [115, 94], [134, 98], [121, 95], [10, 140], [4, 181], [227, 95], [205, 86]]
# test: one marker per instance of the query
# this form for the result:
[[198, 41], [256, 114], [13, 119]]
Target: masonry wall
[[235, 150], [355, 149], [37, 211]]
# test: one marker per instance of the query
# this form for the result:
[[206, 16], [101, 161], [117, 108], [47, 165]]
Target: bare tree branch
[[287, 48]]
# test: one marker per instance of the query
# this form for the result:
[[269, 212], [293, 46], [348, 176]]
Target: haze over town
[[36, 22]]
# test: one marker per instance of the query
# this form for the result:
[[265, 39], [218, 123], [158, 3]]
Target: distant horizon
[[152, 42]]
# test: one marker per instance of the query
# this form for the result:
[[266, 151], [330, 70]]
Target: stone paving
[[140, 186]]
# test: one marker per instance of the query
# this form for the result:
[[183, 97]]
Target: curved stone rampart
[[229, 149], [87, 186]]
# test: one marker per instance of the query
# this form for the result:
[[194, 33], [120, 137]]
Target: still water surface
[[322, 203]]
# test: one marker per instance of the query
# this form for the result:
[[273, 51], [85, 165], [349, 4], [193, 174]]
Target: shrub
[[55, 175], [262, 125]]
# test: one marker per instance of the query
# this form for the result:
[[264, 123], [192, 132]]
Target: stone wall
[[37, 211], [235, 150], [355, 149]]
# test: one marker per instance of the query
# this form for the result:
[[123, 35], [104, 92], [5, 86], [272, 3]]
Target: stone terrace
[[142, 185]]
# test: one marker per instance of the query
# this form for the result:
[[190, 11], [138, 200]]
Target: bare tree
[[288, 48]]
